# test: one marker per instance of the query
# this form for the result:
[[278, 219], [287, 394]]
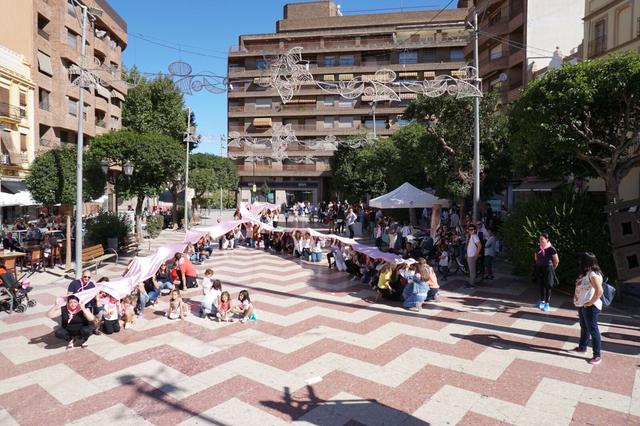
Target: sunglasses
[[86, 276]]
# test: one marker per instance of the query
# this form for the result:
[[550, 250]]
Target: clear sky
[[200, 32]]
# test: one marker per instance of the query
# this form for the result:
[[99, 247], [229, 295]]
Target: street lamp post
[[4, 160], [476, 122], [106, 166], [80, 139]]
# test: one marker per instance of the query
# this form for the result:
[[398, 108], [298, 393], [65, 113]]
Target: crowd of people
[[399, 269]]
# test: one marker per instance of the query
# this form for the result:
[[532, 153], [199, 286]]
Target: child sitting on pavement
[[211, 302]]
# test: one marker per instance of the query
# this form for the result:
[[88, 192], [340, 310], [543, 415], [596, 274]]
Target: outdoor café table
[[8, 255]]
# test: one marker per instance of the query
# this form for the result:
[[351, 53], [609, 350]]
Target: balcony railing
[[597, 46], [12, 111], [43, 34], [100, 123]]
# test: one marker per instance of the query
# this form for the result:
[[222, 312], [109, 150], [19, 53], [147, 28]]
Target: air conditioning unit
[[100, 33]]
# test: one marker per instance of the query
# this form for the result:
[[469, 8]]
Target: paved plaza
[[321, 353]]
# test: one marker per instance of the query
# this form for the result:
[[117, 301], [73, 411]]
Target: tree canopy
[[209, 172], [53, 178], [439, 145], [581, 119], [154, 106], [156, 160]]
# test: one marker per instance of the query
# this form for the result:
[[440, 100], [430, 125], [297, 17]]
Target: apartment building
[[416, 45], [16, 97], [611, 26], [519, 37], [49, 32]]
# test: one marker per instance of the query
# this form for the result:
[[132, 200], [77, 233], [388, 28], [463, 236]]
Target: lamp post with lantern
[[112, 169]]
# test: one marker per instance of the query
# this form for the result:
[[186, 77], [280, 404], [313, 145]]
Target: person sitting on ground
[[110, 316], [384, 283], [148, 294], [316, 249], [244, 308], [277, 242], [177, 308], [211, 302], [225, 313], [186, 271], [305, 244], [415, 293], [238, 237], [76, 321], [127, 310], [164, 280]]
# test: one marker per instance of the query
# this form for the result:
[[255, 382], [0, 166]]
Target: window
[[380, 123], [261, 64], [329, 61], [328, 101], [496, 52], [72, 106], [42, 24], [263, 102], [72, 39], [430, 55], [456, 54], [328, 122], [114, 68], [345, 122], [71, 8], [410, 57], [43, 96], [346, 60], [99, 117], [600, 37], [115, 122], [345, 103], [23, 143], [403, 121]]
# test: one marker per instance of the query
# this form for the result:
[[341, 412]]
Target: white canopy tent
[[407, 196], [22, 198]]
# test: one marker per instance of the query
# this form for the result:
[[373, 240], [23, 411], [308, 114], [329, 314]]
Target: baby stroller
[[14, 294]]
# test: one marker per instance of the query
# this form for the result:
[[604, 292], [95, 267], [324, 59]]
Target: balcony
[[597, 46], [43, 34], [11, 113]]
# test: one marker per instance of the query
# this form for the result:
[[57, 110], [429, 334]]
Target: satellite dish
[[503, 77]]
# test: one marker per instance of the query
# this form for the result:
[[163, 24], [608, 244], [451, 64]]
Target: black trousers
[[351, 231], [110, 326], [67, 335], [544, 277]]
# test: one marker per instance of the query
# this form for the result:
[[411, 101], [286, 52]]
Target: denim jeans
[[165, 285], [589, 328], [146, 298]]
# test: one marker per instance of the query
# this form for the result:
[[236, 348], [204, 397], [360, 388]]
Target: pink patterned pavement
[[321, 353]]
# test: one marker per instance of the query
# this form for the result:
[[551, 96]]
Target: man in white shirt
[[406, 230], [473, 250], [350, 220]]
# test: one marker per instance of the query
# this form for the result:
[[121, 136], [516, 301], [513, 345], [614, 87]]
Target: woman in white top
[[587, 299]]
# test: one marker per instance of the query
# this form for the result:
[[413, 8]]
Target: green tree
[[581, 119], [156, 160], [154, 106], [362, 171], [440, 143], [53, 178], [209, 172]]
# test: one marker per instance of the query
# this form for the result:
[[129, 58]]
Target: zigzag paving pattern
[[321, 354]]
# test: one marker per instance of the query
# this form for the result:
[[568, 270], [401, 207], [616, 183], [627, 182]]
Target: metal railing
[[11, 111]]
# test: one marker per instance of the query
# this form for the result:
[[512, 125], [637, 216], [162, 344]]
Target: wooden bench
[[94, 255]]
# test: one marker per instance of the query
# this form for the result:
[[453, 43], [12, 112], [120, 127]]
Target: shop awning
[[345, 77], [13, 186], [117, 95], [103, 92], [44, 63], [429, 74], [538, 186], [328, 77], [262, 122], [408, 75]]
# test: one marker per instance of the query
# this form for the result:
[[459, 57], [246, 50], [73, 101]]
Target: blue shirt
[[76, 286]]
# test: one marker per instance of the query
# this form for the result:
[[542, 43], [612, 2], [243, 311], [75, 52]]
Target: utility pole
[[80, 146], [221, 151], [476, 111], [373, 108]]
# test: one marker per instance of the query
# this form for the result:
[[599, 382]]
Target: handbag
[[608, 293], [555, 282]]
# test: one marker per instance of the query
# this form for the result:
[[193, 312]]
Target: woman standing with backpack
[[587, 299]]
